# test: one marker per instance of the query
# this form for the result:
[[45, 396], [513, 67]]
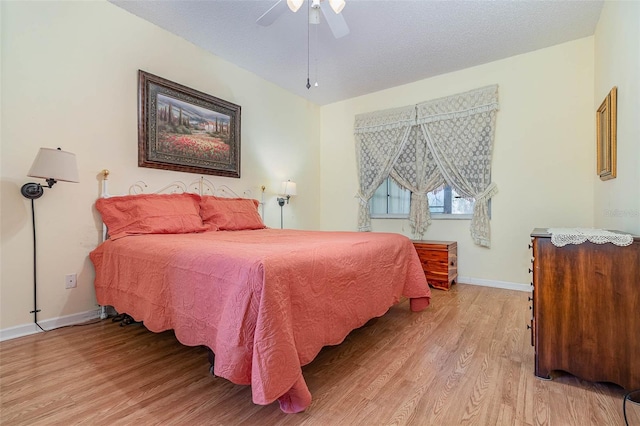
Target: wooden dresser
[[586, 310], [439, 261]]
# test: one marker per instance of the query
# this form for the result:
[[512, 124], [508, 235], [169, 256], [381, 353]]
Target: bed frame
[[269, 354]]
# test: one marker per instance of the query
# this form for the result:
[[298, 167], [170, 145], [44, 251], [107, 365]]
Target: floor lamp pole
[[34, 191], [281, 204], [35, 269]]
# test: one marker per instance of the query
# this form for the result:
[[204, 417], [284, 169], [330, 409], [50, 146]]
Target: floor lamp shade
[[55, 164]]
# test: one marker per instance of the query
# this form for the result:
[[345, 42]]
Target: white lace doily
[[562, 236]]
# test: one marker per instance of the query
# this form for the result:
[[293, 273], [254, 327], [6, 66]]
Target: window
[[446, 201], [391, 201]]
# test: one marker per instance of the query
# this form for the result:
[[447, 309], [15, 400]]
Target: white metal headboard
[[200, 187]]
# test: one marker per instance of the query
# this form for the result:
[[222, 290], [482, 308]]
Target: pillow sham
[[230, 214], [151, 214]]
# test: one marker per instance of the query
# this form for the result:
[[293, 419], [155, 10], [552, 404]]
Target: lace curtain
[[417, 170], [445, 140], [379, 140]]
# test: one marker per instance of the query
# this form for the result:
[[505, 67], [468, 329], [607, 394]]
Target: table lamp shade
[[288, 188]]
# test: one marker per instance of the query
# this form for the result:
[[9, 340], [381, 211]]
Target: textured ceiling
[[390, 43]]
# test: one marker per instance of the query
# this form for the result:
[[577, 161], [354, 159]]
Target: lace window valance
[[422, 146]]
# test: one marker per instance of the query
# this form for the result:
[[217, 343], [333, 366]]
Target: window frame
[[434, 216], [373, 215]]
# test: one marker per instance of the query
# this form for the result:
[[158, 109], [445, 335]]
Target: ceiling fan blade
[[274, 12], [335, 21]]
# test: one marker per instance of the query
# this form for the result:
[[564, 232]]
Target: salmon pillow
[[230, 214], [151, 214]]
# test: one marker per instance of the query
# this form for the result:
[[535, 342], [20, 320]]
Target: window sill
[[390, 216], [433, 216], [451, 217]]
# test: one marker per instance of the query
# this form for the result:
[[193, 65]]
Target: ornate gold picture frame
[[606, 136], [185, 130]]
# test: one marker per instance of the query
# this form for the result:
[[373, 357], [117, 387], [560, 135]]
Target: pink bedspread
[[265, 301]]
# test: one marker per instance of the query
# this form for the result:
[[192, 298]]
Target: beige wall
[[543, 155], [617, 63], [69, 79]]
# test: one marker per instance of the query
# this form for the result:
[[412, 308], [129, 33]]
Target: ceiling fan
[[330, 9]]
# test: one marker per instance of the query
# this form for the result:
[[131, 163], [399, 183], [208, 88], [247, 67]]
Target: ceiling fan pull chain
[[316, 55], [308, 37]]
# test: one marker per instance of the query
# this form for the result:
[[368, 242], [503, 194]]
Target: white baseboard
[[496, 284], [49, 324]]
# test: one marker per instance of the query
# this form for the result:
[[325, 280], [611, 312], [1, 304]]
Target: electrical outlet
[[70, 281]]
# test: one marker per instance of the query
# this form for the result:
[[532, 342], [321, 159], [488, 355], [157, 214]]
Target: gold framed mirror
[[606, 136]]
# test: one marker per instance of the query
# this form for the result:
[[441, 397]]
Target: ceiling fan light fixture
[[294, 5], [337, 5]]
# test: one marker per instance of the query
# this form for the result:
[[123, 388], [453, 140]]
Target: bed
[[265, 301]]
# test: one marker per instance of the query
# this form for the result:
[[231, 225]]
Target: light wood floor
[[467, 359]]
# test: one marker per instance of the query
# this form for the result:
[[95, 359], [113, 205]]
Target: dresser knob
[[529, 299], [528, 327], [530, 270], [452, 263], [530, 246]]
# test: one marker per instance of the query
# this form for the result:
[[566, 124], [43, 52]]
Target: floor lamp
[[53, 165], [287, 190]]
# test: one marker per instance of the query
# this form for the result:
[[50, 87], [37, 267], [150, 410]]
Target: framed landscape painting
[[185, 130]]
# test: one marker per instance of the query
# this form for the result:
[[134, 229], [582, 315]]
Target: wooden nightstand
[[439, 261]]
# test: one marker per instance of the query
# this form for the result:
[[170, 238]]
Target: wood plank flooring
[[467, 359]]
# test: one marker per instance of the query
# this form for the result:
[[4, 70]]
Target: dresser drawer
[[439, 261]]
